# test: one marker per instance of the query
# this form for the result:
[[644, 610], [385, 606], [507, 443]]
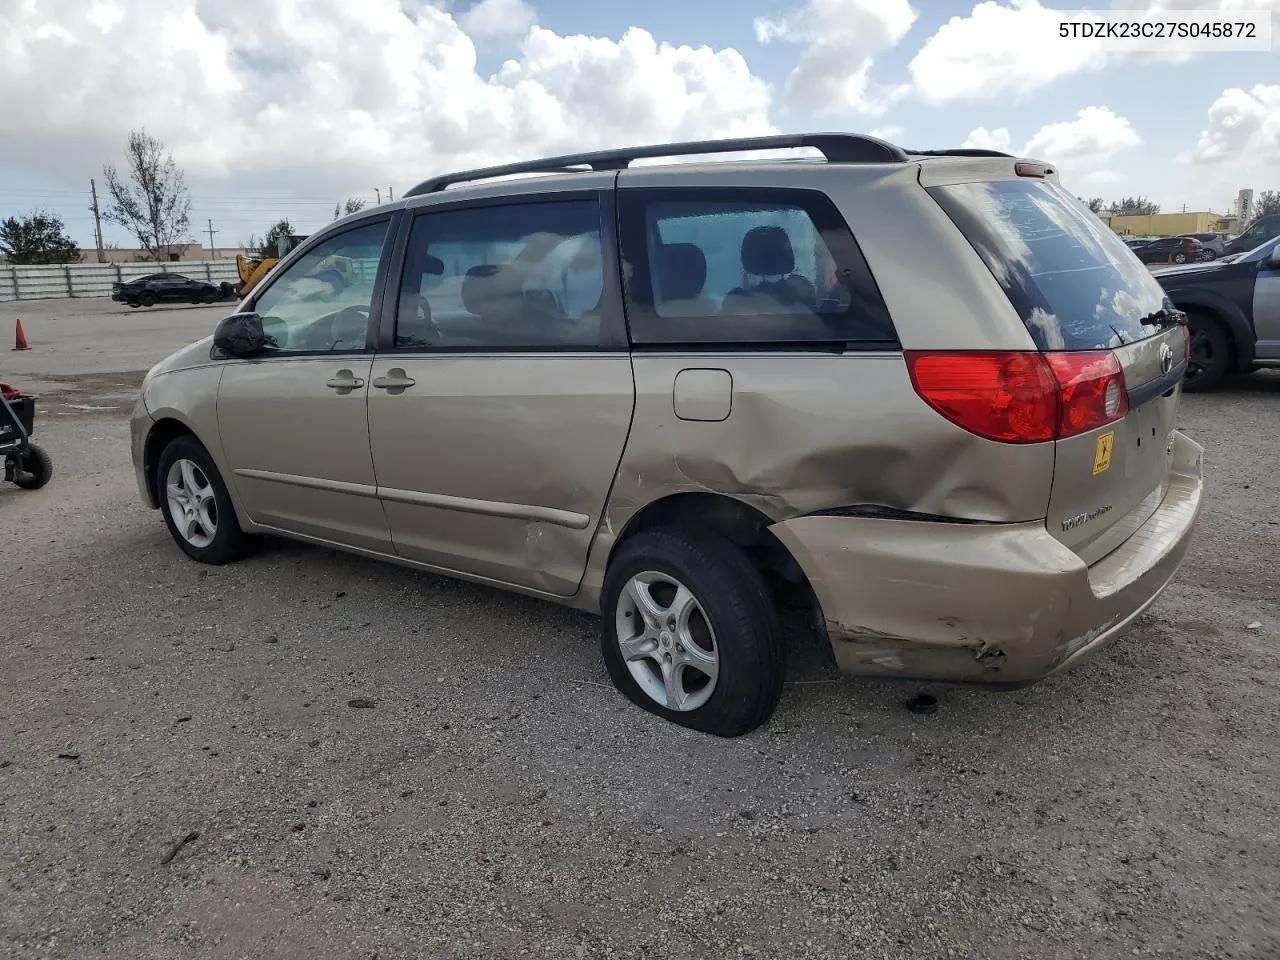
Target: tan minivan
[[931, 393]]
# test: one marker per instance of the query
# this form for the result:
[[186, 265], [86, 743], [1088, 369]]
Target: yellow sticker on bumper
[[1102, 452]]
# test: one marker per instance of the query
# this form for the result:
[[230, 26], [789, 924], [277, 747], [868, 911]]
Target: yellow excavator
[[253, 269]]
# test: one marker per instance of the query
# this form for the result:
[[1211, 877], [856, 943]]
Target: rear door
[[502, 391], [1086, 299]]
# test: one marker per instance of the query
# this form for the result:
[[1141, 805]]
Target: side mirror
[[241, 335], [1275, 256]]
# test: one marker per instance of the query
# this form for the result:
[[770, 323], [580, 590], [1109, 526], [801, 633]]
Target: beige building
[[1170, 224]]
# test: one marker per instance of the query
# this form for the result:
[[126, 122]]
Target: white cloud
[[997, 49], [983, 139], [890, 133], [498, 18], [1099, 177], [1092, 138], [1244, 125], [1016, 49], [1094, 135], [841, 38], [325, 94]]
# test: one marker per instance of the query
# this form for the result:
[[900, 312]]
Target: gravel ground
[[499, 799]]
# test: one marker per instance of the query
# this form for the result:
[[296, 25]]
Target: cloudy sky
[[284, 107]]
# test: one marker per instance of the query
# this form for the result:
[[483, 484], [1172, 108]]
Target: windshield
[[1261, 251], [1075, 284]]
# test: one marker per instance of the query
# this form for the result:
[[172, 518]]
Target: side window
[[745, 266], [522, 275], [321, 302]]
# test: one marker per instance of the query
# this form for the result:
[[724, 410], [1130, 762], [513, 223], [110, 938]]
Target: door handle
[[396, 379], [345, 380]]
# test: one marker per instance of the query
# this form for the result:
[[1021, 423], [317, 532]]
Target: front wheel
[[690, 632], [1209, 255], [35, 468], [148, 299], [1179, 258], [196, 505], [1211, 357]]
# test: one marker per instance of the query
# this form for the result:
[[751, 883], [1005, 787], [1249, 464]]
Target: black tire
[[210, 295], [1179, 257], [229, 542], [37, 466], [1212, 357], [133, 303], [147, 299], [1209, 255], [736, 605]]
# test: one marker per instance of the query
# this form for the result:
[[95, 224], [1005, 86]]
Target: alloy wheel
[[192, 504], [667, 641]]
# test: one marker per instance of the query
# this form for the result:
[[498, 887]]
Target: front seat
[[767, 254], [682, 273]]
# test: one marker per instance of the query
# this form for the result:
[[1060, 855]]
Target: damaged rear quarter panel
[[812, 431]]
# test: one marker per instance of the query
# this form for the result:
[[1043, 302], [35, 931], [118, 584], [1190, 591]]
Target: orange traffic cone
[[20, 338]]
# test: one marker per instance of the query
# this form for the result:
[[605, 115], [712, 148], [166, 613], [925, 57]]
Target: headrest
[[478, 288], [766, 252], [682, 270]]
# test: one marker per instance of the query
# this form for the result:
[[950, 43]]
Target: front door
[[1266, 306], [502, 395], [294, 423]]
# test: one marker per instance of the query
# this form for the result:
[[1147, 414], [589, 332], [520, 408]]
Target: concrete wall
[[95, 279]]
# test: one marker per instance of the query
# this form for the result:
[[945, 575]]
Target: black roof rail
[[959, 152], [836, 147]]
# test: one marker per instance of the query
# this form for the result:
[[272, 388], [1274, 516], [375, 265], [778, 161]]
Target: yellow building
[[1170, 224]]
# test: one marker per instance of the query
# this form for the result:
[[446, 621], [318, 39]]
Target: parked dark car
[[1233, 312], [1260, 231], [153, 288], [1170, 250], [1212, 245]]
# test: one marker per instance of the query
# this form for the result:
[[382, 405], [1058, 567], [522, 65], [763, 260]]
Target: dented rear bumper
[[992, 603]]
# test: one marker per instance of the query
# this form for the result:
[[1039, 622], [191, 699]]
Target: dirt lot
[[501, 800]]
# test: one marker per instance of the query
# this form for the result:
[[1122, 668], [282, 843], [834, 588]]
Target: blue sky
[[392, 97]]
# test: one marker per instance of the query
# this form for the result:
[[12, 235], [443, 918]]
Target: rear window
[[1074, 282]]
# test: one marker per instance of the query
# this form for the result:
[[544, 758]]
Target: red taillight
[[1092, 390], [8, 392], [1022, 397]]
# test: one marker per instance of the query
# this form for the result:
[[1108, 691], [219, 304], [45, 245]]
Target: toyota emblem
[[1166, 358]]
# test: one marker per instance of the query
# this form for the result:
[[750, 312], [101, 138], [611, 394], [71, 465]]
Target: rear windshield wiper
[[1164, 317]]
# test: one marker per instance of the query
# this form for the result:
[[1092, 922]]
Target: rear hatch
[[1105, 328]]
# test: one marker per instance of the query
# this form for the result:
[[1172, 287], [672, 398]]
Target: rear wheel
[[196, 505], [1209, 254], [147, 299], [1211, 355], [690, 632], [1179, 257]]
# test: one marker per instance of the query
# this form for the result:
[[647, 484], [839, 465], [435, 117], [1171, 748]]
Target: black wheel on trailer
[[35, 468]]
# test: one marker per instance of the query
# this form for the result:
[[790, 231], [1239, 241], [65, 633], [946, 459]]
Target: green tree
[[1095, 204], [1267, 204], [353, 205], [150, 198], [282, 229], [38, 237], [1134, 206]]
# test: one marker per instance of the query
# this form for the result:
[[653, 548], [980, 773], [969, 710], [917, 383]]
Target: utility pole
[[378, 193], [213, 251], [97, 221], [391, 195]]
